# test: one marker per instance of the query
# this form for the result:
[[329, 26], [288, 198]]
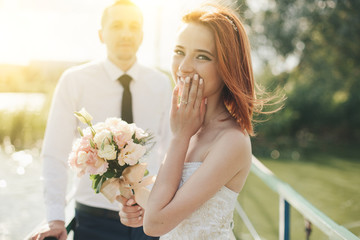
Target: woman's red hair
[[234, 61]]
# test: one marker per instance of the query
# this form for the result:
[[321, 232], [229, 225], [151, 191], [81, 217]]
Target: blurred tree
[[323, 90]]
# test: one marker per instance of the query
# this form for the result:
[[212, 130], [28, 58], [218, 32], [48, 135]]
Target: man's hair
[[116, 3]]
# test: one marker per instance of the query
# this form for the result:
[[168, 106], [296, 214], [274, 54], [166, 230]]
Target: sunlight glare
[[68, 31]]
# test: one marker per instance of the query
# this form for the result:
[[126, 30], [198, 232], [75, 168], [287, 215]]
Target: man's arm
[[54, 228], [59, 134], [131, 214]]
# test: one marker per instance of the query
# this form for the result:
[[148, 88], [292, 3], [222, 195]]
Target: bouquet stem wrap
[[131, 183]]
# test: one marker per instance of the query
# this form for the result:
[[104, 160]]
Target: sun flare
[[68, 31]]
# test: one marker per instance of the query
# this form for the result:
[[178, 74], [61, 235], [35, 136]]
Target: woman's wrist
[[180, 138]]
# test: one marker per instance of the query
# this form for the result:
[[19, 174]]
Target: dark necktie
[[126, 103]]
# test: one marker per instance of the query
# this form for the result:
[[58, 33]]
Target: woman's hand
[[187, 116]]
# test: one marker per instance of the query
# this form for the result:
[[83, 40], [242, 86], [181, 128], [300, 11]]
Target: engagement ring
[[184, 102]]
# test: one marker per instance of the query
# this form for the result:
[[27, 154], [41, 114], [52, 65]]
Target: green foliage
[[24, 129], [35, 77], [335, 196], [97, 181], [323, 89]]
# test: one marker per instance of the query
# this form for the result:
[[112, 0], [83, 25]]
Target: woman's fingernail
[[196, 77], [205, 100], [138, 208], [187, 79], [201, 81], [140, 217]]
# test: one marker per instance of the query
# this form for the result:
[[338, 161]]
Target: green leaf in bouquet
[[80, 131], [117, 149], [92, 130], [93, 177], [102, 145], [95, 180], [92, 144], [115, 167], [146, 173], [137, 141], [98, 187], [109, 174]]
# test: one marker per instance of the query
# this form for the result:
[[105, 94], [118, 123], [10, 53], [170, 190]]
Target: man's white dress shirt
[[94, 86]]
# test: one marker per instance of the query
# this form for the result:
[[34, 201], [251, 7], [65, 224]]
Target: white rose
[[99, 127], [132, 153], [113, 122], [87, 131], [127, 130], [103, 137], [82, 157], [139, 133], [108, 152]]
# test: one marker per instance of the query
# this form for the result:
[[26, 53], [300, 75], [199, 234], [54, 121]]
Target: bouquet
[[112, 153]]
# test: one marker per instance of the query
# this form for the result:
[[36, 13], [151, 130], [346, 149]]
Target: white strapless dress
[[213, 220]]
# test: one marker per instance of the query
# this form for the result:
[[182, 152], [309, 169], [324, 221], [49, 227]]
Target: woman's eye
[[203, 57]]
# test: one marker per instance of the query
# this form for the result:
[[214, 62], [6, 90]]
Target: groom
[[144, 98]]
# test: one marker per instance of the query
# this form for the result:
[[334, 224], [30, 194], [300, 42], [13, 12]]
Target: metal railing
[[288, 197]]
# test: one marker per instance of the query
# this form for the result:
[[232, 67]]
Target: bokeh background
[[307, 50]]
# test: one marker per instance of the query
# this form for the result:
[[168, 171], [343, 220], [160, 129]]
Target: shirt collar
[[115, 72]]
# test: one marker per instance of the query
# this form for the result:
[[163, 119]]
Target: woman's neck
[[215, 108]]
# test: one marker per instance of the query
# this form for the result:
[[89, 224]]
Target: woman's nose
[[186, 66]]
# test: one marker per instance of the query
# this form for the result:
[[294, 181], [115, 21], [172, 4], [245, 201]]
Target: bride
[[209, 157]]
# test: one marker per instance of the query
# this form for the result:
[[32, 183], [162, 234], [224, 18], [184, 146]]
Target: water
[[20, 101], [21, 189], [21, 201]]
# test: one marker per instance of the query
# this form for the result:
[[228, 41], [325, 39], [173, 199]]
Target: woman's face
[[194, 53]]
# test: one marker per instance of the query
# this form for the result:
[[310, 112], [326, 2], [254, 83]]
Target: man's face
[[122, 32]]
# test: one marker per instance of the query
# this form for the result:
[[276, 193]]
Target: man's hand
[[131, 214], [52, 229]]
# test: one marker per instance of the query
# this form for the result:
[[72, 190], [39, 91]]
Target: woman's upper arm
[[230, 154]]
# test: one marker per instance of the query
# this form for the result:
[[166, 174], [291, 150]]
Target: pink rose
[[95, 164]]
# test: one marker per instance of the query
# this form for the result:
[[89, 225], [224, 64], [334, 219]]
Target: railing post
[[308, 229], [284, 219]]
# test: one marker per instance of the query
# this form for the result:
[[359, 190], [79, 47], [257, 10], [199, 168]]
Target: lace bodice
[[213, 220]]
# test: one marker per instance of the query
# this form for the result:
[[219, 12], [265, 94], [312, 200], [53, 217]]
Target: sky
[[67, 30]]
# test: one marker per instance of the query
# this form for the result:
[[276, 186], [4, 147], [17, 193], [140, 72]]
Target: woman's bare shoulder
[[233, 142], [233, 132], [230, 153]]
